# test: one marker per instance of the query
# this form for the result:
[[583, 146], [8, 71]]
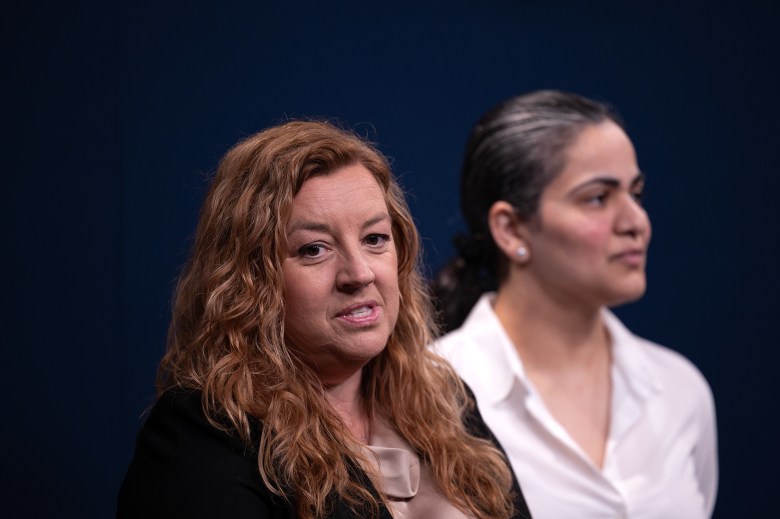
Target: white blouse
[[661, 453]]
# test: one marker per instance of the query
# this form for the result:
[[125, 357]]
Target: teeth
[[360, 312]]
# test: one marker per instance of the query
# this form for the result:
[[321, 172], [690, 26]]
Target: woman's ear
[[509, 232]]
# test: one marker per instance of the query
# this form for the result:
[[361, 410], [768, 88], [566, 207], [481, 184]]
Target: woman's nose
[[632, 218], [354, 271]]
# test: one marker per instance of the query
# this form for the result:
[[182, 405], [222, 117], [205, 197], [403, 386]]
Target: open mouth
[[360, 313]]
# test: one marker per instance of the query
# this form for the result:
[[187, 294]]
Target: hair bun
[[470, 247]]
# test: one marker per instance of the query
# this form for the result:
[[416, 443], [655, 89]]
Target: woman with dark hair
[[596, 421], [297, 382]]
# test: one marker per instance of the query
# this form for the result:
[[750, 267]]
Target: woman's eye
[[638, 195], [377, 240], [311, 250], [597, 199]]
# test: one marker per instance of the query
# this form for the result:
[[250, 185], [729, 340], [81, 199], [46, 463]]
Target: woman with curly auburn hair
[[297, 382]]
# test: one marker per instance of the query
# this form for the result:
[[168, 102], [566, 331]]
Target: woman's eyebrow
[[603, 181], [308, 225], [639, 179], [381, 217], [609, 181]]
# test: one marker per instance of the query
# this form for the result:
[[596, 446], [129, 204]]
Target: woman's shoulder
[[178, 418], [480, 330], [665, 366], [185, 466], [673, 369]]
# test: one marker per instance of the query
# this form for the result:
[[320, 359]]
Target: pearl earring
[[522, 252]]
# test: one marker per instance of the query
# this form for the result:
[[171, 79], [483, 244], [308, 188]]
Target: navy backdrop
[[118, 113]]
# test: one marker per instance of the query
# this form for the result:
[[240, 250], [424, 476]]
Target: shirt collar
[[497, 366], [495, 363]]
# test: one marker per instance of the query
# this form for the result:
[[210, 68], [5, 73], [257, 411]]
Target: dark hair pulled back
[[512, 154]]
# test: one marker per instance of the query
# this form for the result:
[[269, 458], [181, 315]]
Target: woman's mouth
[[632, 258], [360, 314]]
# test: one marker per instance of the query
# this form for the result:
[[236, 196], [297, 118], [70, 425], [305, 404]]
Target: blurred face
[[590, 241], [340, 273]]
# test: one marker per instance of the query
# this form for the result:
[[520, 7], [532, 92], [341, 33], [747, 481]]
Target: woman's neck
[[551, 335], [566, 354], [346, 399]]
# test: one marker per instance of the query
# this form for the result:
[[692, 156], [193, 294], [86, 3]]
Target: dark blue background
[[116, 114]]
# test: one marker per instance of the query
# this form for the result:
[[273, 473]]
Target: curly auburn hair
[[226, 338]]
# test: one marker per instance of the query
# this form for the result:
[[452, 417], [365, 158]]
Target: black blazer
[[184, 467]]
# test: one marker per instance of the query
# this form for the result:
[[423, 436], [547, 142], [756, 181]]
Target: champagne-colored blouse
[[407, 483]]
